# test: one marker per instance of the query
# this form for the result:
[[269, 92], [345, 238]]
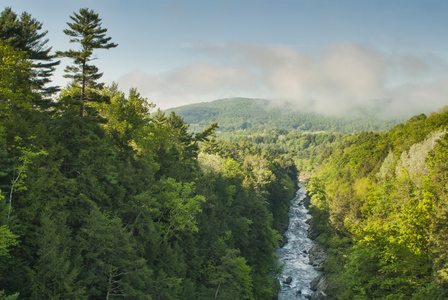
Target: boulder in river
[[288, 280]]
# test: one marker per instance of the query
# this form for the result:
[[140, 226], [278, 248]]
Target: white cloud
[[416, 98], [198, 82], [342, 79], [204, 78]]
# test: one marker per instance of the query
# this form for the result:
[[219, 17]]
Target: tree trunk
[[110, 284], [217, 290]]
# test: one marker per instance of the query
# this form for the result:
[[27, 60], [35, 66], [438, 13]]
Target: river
[[294, 254]]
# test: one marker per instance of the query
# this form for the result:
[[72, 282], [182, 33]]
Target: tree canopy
[[379, 202], [126, 202]]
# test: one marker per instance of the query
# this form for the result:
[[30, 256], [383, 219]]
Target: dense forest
[[103, 196], [378, 198], [379, 203]]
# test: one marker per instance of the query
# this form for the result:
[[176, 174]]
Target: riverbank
[[317, 258]]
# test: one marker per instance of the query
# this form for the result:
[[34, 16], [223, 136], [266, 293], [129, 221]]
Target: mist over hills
[[244, 114]]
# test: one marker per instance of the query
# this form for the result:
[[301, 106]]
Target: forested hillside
[[103, 196], [379, 203], [257, 115]]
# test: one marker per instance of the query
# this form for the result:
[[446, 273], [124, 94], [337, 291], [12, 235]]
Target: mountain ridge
[[249, 114]]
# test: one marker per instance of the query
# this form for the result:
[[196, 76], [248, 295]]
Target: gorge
[[299, 266]]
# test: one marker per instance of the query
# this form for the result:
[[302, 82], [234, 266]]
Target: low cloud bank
[[344, 79]]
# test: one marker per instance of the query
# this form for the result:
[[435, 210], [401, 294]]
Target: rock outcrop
[[317, 256], [283, 241]]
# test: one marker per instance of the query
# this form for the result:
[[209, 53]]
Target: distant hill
[[254, 115]]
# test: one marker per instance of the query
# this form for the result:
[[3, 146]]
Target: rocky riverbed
[[302, 258]]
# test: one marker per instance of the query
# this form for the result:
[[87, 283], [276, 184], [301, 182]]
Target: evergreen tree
[[112, 267], [87, 31], [25, 33], [57, 270]]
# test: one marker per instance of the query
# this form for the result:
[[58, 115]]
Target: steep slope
[[379, 203]]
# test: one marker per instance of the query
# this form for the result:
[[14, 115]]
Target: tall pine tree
[[87, 31]]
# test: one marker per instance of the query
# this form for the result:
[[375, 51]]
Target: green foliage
[[24, 34], [87, 31], [437, 194], [386, 194], [56, 275], [232, 278], [128, 117], [7, 240], [26, 157], [8, 297], [15, 90], [178, 207], [112, 266], [430, 292], [123, 202]]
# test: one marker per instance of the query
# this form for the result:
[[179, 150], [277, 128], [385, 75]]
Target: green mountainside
[[379, 204], [236, 114]]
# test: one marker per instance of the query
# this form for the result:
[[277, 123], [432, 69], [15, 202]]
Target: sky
[[331, 57]]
